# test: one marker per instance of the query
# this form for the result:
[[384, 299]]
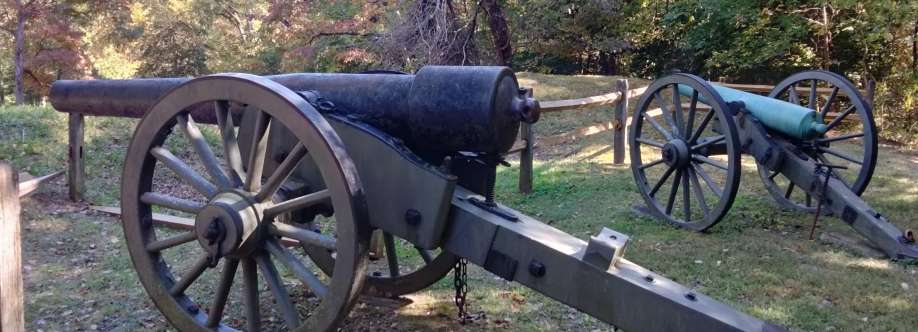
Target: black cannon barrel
[[438, 109]]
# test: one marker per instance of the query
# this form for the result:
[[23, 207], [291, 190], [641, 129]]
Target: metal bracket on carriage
[[315, 99], [605, 249]]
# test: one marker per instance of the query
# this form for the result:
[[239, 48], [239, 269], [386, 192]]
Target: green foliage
[[172, 50], [738, 41]]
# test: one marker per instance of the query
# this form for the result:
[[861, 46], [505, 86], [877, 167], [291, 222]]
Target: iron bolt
[[412, 217], [536, 269]]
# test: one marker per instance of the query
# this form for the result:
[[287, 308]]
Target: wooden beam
[[765, 89], [572, 104], [618, 124], [12, 316], [526, 155], [29, 186], [75, 177]]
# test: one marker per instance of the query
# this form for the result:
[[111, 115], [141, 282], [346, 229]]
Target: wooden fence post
[[618, 124], [75, 177], [526, 135], [11, 312], [871, 90]]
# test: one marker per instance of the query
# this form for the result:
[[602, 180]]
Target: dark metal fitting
[[214, 231], [527, 107], [736, 107], [648, 278], [536, 269], [413, 217], [691, 296]]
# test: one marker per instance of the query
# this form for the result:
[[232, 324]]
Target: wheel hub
[[676, 153], [228, 225]]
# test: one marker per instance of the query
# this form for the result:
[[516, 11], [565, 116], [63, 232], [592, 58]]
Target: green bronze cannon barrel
[[439, 109], [787, 118]]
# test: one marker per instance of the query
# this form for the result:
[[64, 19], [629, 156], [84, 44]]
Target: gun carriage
[[813, 140], [309, 165]]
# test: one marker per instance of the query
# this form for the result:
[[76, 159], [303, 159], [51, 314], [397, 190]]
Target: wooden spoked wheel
[[851, 140], [405, 270], [685, 154], [192, 275]]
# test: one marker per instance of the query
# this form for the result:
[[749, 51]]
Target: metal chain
[[460, 282], [822, 169]]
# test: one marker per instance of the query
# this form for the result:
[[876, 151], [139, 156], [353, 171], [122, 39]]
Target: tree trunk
[[500, 33], [20, 45], [915, 47]]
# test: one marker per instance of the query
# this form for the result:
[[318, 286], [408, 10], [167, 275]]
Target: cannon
[[813, 140], [300, 170]]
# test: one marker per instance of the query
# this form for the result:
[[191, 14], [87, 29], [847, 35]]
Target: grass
[[757, 259]]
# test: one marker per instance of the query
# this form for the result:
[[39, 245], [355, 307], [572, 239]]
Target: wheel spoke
[[391, 254], [301, 202], [686, 196], [223, 289], [282, 172], [812, 100], [672, 192], [709, 141], [194, 135], [841, 155], [699, 192], [825, 108], [250, 279], [693, 107], [704, 124], [230, 145], [656, 125], [707, 179], [840, 138], [170, 242], [649, 142], [678, 113], [839, 118], [170, 202], [790, 190], [305, 236], [184, 171], [298, 268], [654, 163], [773, 175], [710, 161], [196, 270], [425, 255], [792, 95], [281, 297], [663, 179], [257, 151], [666, 114]]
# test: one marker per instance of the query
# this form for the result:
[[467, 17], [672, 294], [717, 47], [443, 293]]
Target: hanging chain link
[[460, 282], [826, 170]]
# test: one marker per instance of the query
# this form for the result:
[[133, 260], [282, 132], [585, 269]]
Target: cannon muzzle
[[438, 110]]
